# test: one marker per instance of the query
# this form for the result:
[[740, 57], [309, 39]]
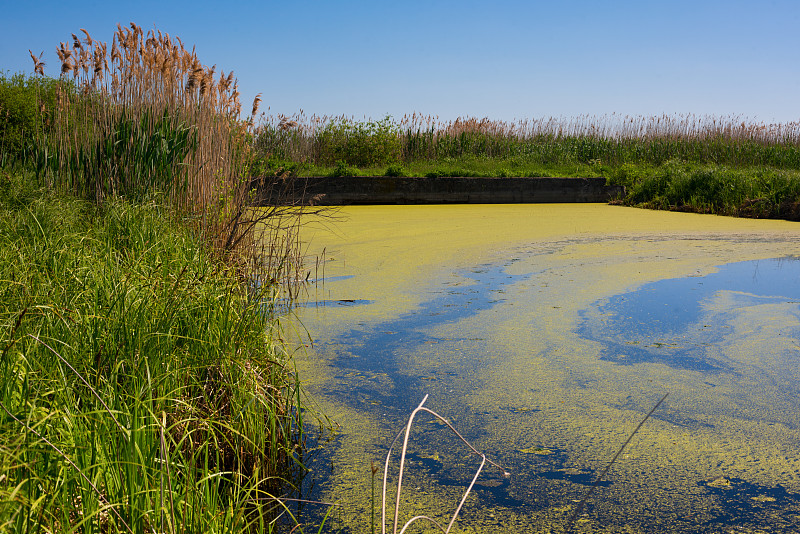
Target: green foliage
[[396, 170], [628, 174], [455, 172], [273, 166], [342, 169], [361, 144], [760, 192], [21, 99]]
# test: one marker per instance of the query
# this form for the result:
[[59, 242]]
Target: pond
[[545, 333]]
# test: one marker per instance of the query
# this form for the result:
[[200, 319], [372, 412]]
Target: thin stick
[[579, 508]]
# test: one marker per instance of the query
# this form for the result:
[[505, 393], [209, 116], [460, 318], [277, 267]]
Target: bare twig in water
[[579, 508]]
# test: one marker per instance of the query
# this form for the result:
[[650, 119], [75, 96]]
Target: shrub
[[344, 170], [363, 144], [20, 116], [396, 170]]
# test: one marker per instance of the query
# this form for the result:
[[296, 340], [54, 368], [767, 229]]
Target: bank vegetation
[[144, 386], [723, 165]]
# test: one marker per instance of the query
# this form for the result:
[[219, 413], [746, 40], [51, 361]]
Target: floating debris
[[764, 498], [720, 482], [536, 450]]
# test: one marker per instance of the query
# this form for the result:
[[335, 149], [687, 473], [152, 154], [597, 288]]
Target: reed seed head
[[89, 40], [256, 104]]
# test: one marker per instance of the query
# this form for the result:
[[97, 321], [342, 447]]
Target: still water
[[545, 333]]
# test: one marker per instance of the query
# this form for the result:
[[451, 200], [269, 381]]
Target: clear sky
[[502, 59]]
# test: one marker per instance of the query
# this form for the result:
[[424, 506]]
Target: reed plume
[[150, 118]]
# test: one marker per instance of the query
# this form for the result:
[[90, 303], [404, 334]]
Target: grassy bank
[[705, 164], [142, 384], [141, 387]]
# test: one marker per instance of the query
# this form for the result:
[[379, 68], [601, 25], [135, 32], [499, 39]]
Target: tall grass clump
[[147, 117], [141, 387]]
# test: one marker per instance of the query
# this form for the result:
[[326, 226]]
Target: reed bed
[[144, 385], [611, 139], [145, 118], [727, 166]]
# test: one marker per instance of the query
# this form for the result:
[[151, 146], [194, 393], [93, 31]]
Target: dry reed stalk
[[407, 432], [149, 117]]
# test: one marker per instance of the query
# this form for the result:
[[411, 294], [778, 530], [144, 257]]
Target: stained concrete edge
[[327, 191]]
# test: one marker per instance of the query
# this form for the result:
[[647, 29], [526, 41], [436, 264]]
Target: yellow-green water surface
[[545, 333]]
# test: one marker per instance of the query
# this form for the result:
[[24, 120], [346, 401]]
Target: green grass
[[759, 192], [141, 388], [469, 165]]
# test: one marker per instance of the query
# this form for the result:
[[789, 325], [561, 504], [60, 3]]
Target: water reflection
[[669, 321], [374, 358]]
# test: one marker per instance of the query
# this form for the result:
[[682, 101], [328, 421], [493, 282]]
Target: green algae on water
[[512, 370]]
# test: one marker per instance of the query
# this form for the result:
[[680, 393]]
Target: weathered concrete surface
[[441, 190]]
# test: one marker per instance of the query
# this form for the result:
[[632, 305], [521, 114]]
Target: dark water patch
[[373, 373], [743, 504], [303, 495], [668, 321]]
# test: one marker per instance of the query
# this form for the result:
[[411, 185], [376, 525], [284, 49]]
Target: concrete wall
[[392, 190]]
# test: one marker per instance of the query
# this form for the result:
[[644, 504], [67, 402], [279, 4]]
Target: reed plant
[[142, 388], [613, 139], [148, 118]]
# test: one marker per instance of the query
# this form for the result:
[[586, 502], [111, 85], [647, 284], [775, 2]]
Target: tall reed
[[147, 117], [613, 139]]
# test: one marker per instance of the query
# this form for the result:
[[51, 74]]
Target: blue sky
[[502, 59]]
